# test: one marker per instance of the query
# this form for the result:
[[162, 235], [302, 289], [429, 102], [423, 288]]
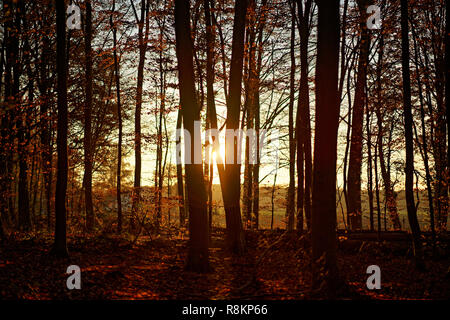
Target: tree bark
[[255, 175], [4, 116], [60, 245], [23, 123], [447, 94], [198, 259], [325, 148], [87, 142], [119, 119], [142, 38], [291, 189], [354, 169], [303, 123], [231, 190], [210, 104], [409, 169]]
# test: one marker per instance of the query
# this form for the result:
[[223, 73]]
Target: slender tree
[[354, 169], [87, 143], [409, 169], [142, 43], [255, 175], [60, 245], [210, 103], [447, 75], [119, 119], [290, 208], [303, 121]]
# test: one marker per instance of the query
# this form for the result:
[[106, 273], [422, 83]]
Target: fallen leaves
[[154, 269]]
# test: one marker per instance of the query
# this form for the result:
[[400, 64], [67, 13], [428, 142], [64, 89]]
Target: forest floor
[[112, 268]]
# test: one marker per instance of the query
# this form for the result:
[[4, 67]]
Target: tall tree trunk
[[119, 119], [210, 104], [447, 91], [447, 76], [60, 246], [409, 169], [44, 121], [6, 45], [198, 221], [256, 110], [142, 38], [441, 169], [231, 188], [291, 189], [252, 78], [159, 158], [303, 122], [24, 133], [354, 169], [325, 148], [87, 142]]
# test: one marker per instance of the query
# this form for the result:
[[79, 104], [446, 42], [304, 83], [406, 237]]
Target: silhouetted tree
[[409, 169], [198, 220], [60, 246], [325, 147], [87, 143]]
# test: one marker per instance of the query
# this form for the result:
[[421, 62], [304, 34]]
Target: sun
[[216, 156]]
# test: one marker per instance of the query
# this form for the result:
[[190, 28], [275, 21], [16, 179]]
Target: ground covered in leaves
[[276, 266]]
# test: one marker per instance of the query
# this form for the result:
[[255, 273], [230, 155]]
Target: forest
[[224, 149]]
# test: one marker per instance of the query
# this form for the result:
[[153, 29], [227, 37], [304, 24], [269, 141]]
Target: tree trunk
[[231, 190], [60, 246], [291, 189], [447, 93], [325, 148], [142, 38], [45, 130], [409, 169], [87, 143], [303, 122], [119, 119], [4, 115], [354, 169], [256, 110], [447, 76], [198, 221], [251, 93], [210, 104]]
